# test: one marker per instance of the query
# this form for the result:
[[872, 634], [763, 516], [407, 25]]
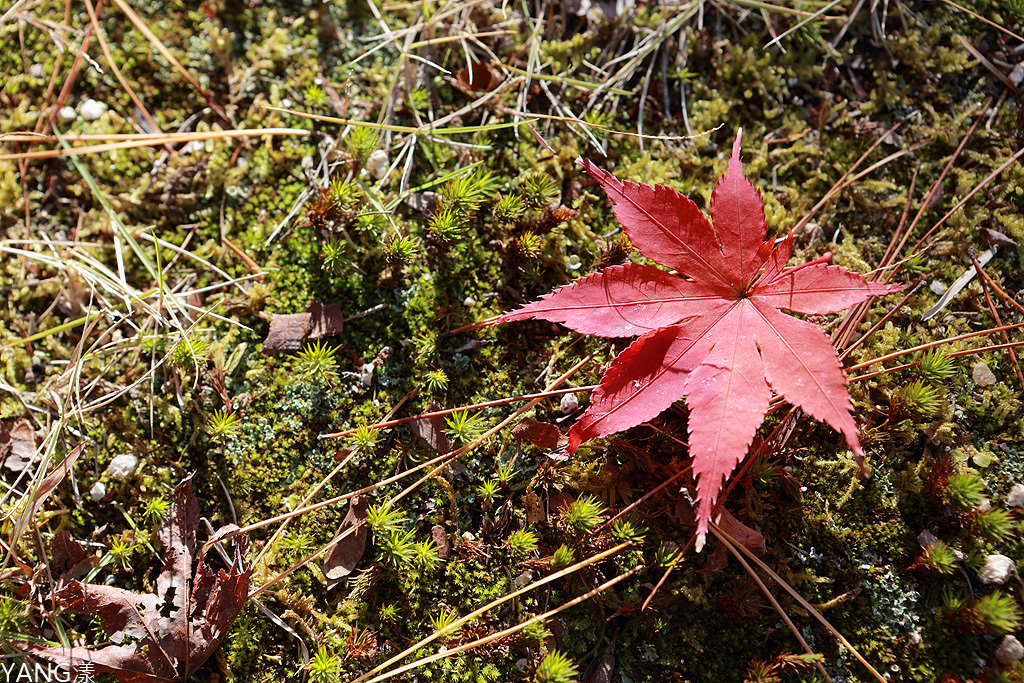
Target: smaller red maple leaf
[[716, 335]]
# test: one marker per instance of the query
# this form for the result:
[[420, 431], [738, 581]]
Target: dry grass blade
[[129, 141], [491, 605], [507, 632], [158, 44], [803, 603], [731, 544]]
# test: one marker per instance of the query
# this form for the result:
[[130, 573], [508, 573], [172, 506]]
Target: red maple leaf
[[716, 335]]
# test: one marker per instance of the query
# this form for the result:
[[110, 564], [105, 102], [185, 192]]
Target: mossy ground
[[848, 544]]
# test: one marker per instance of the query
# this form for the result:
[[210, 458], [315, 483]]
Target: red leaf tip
[[735, 159]]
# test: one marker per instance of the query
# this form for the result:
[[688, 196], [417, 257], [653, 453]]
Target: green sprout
[[940, 558], [666, 555], [489, 491], [360, 141], [401, 251], [446, 225], [917, 397], [997, 525], [506, 471], [522, 542], [937, 366], [364, 438], [316, 361], [465, 194], [426, 555], [323, 667], [464, 426], [563, 557], [997, 613], [529, 245], [435, 381], [121, 553], [624, 530], [314, 96], [297, 543], [965, 490], [540, 190], [333, 256], [346, 195], [13, 618], [155, 509], [398, 548], [509, 208], [189, 352], [443, 620], [389, 612], [222, 425], [556, 668], [383, 518], [583, 515]]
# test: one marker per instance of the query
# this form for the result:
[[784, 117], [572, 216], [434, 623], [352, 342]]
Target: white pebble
[[469, 302], [1015, 498], [377, 164], [569, 403], [984, 506], [67, 114], [36, 71], [92, 110], [1010, 651], [997, 569], [983, 375], [122, 466], [366, 374], [937, 287], [98, 492]]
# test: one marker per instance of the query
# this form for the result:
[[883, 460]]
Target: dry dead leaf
[[288, 331], [543, 435], [17, 444], [346, 553], [431, 430], [170, 633]]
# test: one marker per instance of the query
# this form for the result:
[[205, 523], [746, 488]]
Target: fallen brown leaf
[[164, 636]]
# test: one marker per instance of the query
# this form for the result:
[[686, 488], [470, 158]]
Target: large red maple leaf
[[716, 335]]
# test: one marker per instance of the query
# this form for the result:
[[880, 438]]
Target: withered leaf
[[346, 553], [288, 331], [543, 435], [17, 444], [477, 77], [68, 555], [174, 631], [431, 429], [444, 549]]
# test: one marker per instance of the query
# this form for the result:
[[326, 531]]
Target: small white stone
[[122, 466], [468, 535], [98, 492], [469, 302], [67, 114], [984, 506], [286, 103], [366, 374], [1016, 76], [983, 375], [92, 110], [997, 569], [1009, 651], [36, 71], [937, 287], [377, 164], [569, 403], [1015, 498]]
